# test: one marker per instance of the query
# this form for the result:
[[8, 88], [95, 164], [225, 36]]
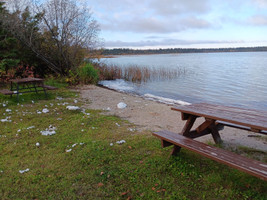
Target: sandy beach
[[153, 116]]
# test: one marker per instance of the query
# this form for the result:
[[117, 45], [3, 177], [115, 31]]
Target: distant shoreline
[[126, 51]]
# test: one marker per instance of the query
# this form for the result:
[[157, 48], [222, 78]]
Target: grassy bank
[[83, 161]]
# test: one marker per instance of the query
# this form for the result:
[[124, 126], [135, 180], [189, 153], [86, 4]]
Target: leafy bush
[[88, 74]]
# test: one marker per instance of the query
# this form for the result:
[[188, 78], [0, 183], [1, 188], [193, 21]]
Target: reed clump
[[138, 74]]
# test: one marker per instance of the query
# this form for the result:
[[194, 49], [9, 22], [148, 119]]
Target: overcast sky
[[181, 23]]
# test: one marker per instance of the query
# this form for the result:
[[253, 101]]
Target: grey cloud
[[155, 25], [258, 20], [174, 7]]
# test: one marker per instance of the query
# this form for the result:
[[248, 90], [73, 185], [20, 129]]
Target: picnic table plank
[[245, 117]]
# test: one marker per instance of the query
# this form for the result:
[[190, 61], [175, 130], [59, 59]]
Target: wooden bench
[[247, 165], [217, 116], [7, 92]]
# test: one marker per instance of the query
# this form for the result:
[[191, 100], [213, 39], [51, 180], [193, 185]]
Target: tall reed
[[137, 73]]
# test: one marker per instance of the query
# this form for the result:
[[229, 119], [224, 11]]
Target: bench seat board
[[250, 166], [6, 92], [245, 117]]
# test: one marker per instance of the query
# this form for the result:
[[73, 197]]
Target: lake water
[[233, 79]]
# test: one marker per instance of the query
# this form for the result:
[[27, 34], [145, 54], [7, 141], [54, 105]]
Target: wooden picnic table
[[217, 116], [26, 85]]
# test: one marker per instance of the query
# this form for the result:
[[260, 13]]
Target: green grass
[[137, 169]]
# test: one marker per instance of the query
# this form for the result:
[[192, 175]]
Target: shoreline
[[154, 116]]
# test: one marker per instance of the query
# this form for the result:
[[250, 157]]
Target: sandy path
[[154, 116]]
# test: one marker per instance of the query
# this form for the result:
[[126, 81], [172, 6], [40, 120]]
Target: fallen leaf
[[101, 173], [124, 193], [129, 147], [153, 188], [100, 184]]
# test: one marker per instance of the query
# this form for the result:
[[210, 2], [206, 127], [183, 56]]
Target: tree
[[60, 32]]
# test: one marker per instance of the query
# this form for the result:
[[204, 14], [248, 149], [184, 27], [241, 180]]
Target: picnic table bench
[[217, 116], [26, 85]]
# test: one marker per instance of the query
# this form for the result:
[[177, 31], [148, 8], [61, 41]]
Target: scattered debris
[[7, 119], [74, 145], [8, 110], [75, 101], [73, 108], [37, 144], [107, 109], [81, 143], [49, 131], [131, 129], [68, 150], [121, 105], [59, 98], [23, 171], [32, 101], [121, 142], [30, 127], [111, 144], [45, 110], [118, 125], [59, 118]]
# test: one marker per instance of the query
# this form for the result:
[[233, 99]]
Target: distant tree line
[[127, 51]]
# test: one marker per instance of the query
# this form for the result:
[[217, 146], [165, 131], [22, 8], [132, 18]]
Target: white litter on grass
[[121, 142], [118, 125], [107, 109], [59, 98], [7, 119], [32, 101], [73, 108], [81, 143], [8, 110], [74, 145], [75, 101], [83, 111], [59, 118], [4, 105], [121, 105], [111, 144], [37, 144], [31, 127], [82, 130], [131, 129], [45, 110], [68, 150], [49, 131], [23, 171], [39, 112]]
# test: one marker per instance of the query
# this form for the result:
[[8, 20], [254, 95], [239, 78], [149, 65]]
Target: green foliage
[[88, 74]]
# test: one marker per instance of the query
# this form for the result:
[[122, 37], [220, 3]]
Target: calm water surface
[[237, 79]]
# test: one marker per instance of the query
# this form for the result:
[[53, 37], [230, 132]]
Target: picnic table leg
[[215, 134], [17, 92]]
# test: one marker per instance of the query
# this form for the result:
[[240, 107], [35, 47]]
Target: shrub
[[88, 74]]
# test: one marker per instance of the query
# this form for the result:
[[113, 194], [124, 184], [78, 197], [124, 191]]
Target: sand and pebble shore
[[151, 115]]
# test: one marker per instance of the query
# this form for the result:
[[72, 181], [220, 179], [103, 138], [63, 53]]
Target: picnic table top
[[256, 119], [26, 80]]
